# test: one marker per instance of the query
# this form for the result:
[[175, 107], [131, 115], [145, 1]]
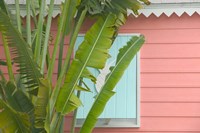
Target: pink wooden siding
[[170, 78], [170, 74]]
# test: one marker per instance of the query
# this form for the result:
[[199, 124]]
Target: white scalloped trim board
[[170, 8], [155, 8]]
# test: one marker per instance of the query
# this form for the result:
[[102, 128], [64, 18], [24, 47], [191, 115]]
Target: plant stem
[[58, 36], [39, 32], [67, 60], [75, 112], [8, 59], [74, 116], [28, 21], [60, 55], [18, 16], [47, 34], [33, 13]]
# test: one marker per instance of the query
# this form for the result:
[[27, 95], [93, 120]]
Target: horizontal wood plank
[[170, 109], [169, 65], [170, 95], [170, 51], [170, 80], [168, 35]]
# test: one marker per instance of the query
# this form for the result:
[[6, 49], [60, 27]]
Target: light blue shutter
[[123, 104]]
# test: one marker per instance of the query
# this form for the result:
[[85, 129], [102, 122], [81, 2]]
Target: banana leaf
[[12, 121], [22, 54], [41, 104], [126, 54], [3, 63], [3, 6], [93, 52], [17, 99]]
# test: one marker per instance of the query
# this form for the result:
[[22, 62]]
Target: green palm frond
[[2, 63], [41, 104], [12, 121], [122, 6], [3, 6], [125, 56], [115, 6], [93, 52], [22, 53], [18, 100]]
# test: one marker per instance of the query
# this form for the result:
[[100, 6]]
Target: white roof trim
[[154, 8], [169, 9]]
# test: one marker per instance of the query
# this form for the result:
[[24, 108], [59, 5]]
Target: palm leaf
[[3, 6], [126, 54], [2, 93], [22, 53], [41, 104], [122, 6], [115, 6], [73, 104], [18, 100], [12, 121], [3, 63], [93, 52]]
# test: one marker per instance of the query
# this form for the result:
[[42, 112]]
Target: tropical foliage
[[29, 102]]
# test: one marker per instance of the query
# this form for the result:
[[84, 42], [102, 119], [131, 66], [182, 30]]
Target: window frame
[[130, 122]]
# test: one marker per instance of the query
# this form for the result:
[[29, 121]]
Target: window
[[123, 108]]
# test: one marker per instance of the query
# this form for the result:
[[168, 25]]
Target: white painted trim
[[138, 89], [123, 123], [155, 8], [169, 8]]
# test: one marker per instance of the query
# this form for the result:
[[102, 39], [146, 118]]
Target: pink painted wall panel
[[185, 65], [171, 50], [170, 78], [170, 95], [166, 36], [170, 109]]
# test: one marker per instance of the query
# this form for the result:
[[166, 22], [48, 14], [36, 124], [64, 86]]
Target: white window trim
[[124, 123]]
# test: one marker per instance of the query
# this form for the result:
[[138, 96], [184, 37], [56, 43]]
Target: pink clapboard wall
[[170, 74]]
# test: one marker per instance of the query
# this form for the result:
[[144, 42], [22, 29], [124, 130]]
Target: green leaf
[[93, 6], [147, 2], [2, 93], [41, 104], [126, 54], [80, 88], [3, 6], [22, 53], [74, 103], [3, 63], [12, 121], [117, 6], [93, 52], [17, 99], [87, 74], [70, 15]]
